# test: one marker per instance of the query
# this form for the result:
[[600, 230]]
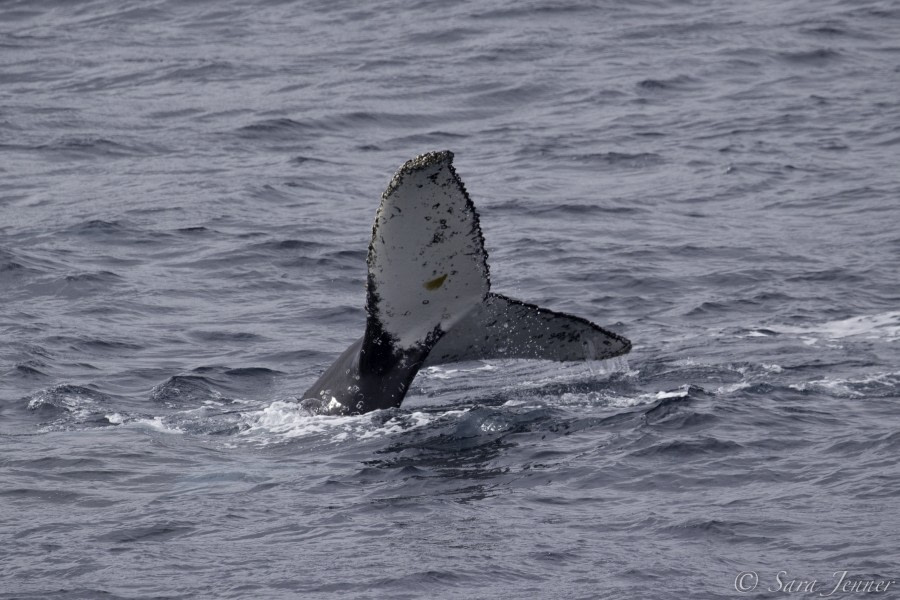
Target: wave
[[880, 326]]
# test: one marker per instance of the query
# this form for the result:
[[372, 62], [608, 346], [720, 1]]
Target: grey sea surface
[[186, 197]]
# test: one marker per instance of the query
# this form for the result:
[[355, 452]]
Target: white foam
[[528, 403], [602, 399], [882, 326], [78, 406], [732, 388], [629, 401], [494, 425], [288, 420], [681, 392], [115, 418], [834, 387], [844, 388], [156, 424]]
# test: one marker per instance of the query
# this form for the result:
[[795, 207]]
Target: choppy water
[[186, 196]]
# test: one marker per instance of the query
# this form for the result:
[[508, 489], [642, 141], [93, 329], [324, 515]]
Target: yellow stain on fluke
[[435, 283]]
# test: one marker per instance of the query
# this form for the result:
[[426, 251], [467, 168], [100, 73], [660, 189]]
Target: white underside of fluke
[[427, 264]]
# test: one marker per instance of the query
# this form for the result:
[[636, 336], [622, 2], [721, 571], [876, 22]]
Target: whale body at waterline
[[429, 299]]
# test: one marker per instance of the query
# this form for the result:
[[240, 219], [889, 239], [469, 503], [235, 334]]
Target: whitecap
[[884, 326]]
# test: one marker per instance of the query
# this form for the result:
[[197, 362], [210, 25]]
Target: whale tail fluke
[[501, 327], [428, 298]]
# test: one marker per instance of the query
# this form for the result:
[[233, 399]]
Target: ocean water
[[186, 196]]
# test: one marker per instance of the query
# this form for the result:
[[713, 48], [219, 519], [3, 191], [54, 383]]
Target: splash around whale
[[429, 299]]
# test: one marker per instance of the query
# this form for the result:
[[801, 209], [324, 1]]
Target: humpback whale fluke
[[428, 299]]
